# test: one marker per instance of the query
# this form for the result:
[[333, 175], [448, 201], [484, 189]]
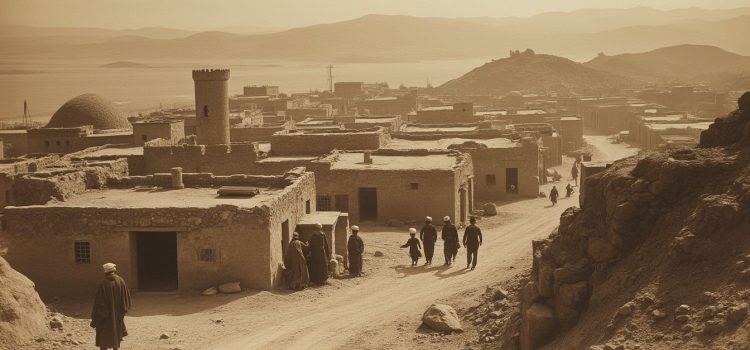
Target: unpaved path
[[605, 150]]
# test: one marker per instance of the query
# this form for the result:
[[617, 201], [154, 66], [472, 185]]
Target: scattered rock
[[658, 314], [737, 314], [687, 328], [497, 294], [489, 209], [164, 336], [538, 326], [682, 318], [442, 318], [55, 323], [712, 327], [378, 254], [230, 287], [626, 309], [683, 309]]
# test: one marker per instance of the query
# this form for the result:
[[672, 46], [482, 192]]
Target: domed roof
[[89, 109]]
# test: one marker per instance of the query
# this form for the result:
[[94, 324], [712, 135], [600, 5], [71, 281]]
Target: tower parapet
[[210, 74]]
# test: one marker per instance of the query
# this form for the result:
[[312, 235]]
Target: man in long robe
[[296, 265], [111, 303], [450, 240], [472, 240], [355, 248], [319, 255], [428, 235]]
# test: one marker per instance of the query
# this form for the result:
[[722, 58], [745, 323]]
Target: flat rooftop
[[429, 129], [285, 159], [149, 198], [437, 108], [12, 131], [375, 120], [699, 126], [445, 143], [355, 161], [129, 151]]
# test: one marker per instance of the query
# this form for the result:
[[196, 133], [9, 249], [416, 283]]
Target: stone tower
[[212, 106]]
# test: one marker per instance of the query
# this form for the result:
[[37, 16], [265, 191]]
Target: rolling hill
[[538, 73], [682, 63]]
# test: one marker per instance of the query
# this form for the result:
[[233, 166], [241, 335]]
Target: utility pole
[[26, 121], [330, 78]]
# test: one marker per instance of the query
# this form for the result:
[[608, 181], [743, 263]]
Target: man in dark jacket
[[428, 235], [450, 240], [355, 247], [472, 240], [319, 254], [111, 303]]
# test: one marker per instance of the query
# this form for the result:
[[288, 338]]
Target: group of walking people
[[472, 239], [307, 262]]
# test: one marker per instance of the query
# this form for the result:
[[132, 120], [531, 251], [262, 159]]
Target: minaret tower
[[212, 106]]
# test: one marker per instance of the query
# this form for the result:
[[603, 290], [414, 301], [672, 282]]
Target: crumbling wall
[[217, 159]]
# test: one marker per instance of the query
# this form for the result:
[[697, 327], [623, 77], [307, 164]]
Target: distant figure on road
[[574, 172], [568, 190], [428, 235], [472, 240], [553, 194], [296, 265], [414, 247], [450, 240], [319, 255], [111, 303], [355, 247]]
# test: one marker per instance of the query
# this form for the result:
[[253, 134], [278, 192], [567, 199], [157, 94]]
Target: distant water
[[48, 84]]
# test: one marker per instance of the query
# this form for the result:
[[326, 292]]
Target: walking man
[[111, 303], [472, 240], [355, 247], [553, 194], [450, 240], [574, 172], [428, 236]]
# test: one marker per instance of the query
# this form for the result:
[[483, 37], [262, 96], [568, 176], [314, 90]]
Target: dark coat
[[472, 236], [319, 255], [355, 247], [111, 303], [414, 247], [553, 194], [450, 238], [428, 234]]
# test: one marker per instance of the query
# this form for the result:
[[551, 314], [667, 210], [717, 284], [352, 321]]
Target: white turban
[[447, 218], [319, 225], [428, 218], [412, 231], [109, 267], [355, 228]]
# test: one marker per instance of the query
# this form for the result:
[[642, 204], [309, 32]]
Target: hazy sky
[[276, 14]]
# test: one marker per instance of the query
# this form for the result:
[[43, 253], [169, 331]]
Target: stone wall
[[217, 159], [312, 143]]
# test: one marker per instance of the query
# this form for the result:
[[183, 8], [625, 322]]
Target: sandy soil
[[380, 310]]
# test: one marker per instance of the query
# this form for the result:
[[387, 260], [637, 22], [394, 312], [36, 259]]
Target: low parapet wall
[[319, 143], [218, 159]]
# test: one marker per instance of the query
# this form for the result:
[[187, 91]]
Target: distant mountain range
[[579, 34], [537, 73]]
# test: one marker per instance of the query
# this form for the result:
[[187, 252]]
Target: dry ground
[[380, 310]]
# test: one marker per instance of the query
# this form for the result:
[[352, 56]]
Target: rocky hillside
[[657, 257], [530, 72], [682, 63], [22, 314]]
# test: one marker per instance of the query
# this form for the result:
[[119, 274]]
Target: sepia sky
[[279, 14]]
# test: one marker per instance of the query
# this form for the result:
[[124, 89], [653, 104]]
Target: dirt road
[[605, 150]]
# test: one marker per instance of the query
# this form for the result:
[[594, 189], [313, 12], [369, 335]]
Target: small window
[[144, 137], [490, 180], [414, 186], [205, 111], [208, 255], [57, 142], [324, 203], [307, 207], [82, 252]]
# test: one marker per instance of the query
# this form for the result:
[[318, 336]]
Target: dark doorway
[[284, 237], [342, 203], [462, 204], [157, 261], [511, 180], [368, 203]]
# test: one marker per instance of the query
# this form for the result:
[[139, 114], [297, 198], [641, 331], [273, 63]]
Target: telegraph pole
[[330, 78]]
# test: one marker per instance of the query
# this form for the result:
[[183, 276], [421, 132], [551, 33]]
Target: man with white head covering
[[355, 247], [428, 235], [450, 240], [319, 255], [296, 265], [111, 303]]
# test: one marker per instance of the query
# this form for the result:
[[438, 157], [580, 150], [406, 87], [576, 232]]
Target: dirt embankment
[[22, 313], [657, 257]]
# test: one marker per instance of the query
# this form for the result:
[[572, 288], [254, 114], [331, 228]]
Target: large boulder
[[489, 209], [442, 318], [538, 326], [22, 314]]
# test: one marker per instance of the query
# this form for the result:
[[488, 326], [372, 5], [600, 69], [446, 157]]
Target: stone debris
[[378, 254], [230, 287], [164, 336], [489, 209], [442, 318], [210, 291]]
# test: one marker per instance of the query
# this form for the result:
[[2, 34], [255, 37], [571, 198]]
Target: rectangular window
[[324, 203], [208, 255], [414, 186], [307, 207], [82, 252], [490, 180]]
